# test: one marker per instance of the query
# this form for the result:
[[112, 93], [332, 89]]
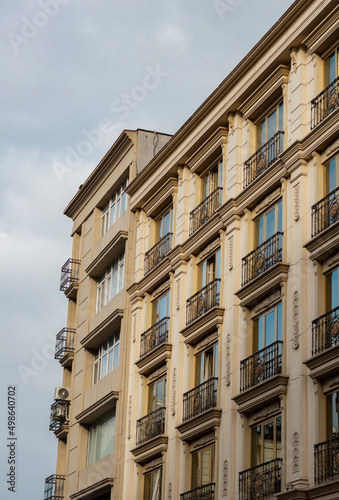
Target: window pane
[[110, 361], [261, 134], [269, 328], [281, 117], [269, 442], [101, 437], [123, 202], [166, 225], [279, 322], [115, 278], [116, 356], [217, 274], [278, 437], [270, 224], [280, 225], [272, 125], [332, 415], [206, 467], [330, 69], [260, 231], [334, 289], [159, 394], [331, 176], [121, 276], [195, 470], [260, 333], [104, 366], [113, 208], [256, 445], [118, 207], [95, 373]]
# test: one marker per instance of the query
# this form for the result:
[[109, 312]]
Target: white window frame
[[114, 273], [109, 349], [118, 201]]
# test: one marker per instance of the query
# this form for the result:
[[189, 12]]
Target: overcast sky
[[73, 70]]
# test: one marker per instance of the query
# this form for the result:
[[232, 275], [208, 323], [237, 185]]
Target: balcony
[[326, 461], [262, 258], [154, 336], [54, 487], [157, 253], [70, 277], [261, 482], [200, 399], [64, 346], [59, 416], [325, 331], [261, 366], [151, 426], [205, 492], [325, 212], [263, 158], [204, 300], [325, 103], [205, 210]]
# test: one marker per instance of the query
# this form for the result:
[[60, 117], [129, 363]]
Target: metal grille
[[205, 492], [325, 331], [203, 301], [59, 415], [154, 336], [261, 482], [54, 487], [69, 274], [262, 258], [157, 253], [263, 158], [325, 212], [261, 366], [325, 103], [326, 461], [151, 425], [200, 399], [64, 342], [204, 211]]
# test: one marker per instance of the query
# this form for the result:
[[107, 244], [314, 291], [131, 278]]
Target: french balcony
[[261, 482], [54, 487], [151, 426], [205, 210], [154, 336], [70, 277], [261, 366], [262, 258], [204, 300], [263, 158], [157, 253], [325, 212], [325, 103], [64, 346], [59, 415], [205, 492], [200, 399], [326, 461]]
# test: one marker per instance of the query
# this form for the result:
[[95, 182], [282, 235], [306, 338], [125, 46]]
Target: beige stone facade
[[227, 376]]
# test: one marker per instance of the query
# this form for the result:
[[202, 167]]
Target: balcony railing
[[151, 425], [64, 342], [205, 492], [204, 211], [325, 212], [263, 158], [203, 301], [262, 258], [200, 399], [326, 461], [261, 482], [157, 253], [325, 331], [261, 366], [325, 103], [154, 336], [69, 274], [59, 415], [54, 487]]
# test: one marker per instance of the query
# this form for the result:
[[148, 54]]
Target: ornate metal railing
[[325, 103], [64, 342], [154, 336], [69, 273], [261, 482], [151, 425], [325, 331], [203, 301], [262, 258], [157, 253], [204, 211], [325, 212], [54, 487], [261, 366], [263, 158], [200, 399], [59, 415], [326, 461], [205, 492]]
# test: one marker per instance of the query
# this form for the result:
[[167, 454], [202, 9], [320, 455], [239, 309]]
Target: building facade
[[227, 376]]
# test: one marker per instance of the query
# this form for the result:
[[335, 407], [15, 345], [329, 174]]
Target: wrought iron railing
[[325, 212], [262, 258], [326, 461], [54, 487], [157, 253], [203, 301], [263, 158], [59, 415], [261, 482], [205, 492], [325, 331], [69, 273], [151, 425], [325, 103], [200, 399], [154, 336], [204, 211], [261, 366], [64, 342]]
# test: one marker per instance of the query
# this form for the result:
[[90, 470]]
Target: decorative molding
[[297, 201], [207, 340], [333, 381], [268, 201], [158, 373], [178, 295], [230, 253], [333, 148], [180, 175], [134, 328], [170, 491], [293, 55], [157, 462], [174, 382], [333, 260], [161, 289], [296, 453], [209, 249], [137, 216], [203, 440], [225, 479], [231, 123], [267, 302], [266, 411], [129, 417], [228, 359], [296, 318]]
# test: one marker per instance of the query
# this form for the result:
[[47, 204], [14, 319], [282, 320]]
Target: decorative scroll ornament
[[174, 381], [293, 55], [266, 411], [228, 359], [134, 329], [296, 453], [297, 201], [129, 417], [155, 463], [204, 440], [296, 314], [231, 123], [170, 491], [230, 253], [225, 479], [333, 260], [333, 381], [333, 148], [178, 294]]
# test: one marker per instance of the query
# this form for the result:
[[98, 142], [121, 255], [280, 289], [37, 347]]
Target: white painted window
[[110, 282], [114, 209], [106, 357]]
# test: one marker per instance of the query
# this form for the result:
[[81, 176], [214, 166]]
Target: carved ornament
[[296, 317], [267, 302], [204, 440], [209, 249], [266, 411], [267, 201]]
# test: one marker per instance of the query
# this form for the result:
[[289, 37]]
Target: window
[[101, 437], [114, 208], [106, 357], [206, 365], [110, 282], [270, 125], [161, 307], [203, 467], [209, 270], [331, 175], [152, 488], [164, 224], [267, 328], [333, 416], [331, 67], [211, 180], [266, 441], [332, 290], [268, 224], [157, 395]]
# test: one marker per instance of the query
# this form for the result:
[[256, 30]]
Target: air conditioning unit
[[62, 393]]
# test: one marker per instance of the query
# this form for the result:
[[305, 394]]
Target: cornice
[[112, 249], [261, 394], [94, 490], [205, 152], [156, 201], [100, 407], [199, 425], [323, 31]]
